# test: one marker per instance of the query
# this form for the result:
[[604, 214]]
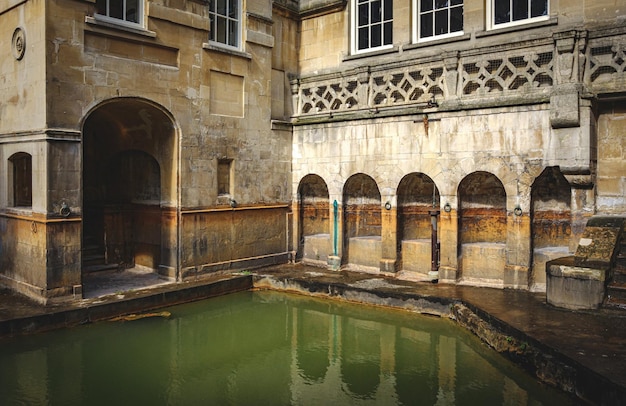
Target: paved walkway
[[595, 339]]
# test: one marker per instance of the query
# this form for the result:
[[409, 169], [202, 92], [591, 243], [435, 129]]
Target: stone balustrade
[[572, 62]]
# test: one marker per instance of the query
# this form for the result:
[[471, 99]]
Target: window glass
[[129, 11], [439, 18], [513, 12], [374, 24], [225, 18]]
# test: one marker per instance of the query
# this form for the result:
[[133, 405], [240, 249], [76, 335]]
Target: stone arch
[[482, 227], [417, 196], [362, 220], [129, 186], [551, 222], [314, 241]]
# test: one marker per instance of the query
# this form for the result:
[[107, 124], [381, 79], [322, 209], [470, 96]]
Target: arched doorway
[[482, 228], [362, 223], [129, 187], [314, 244], [417, 195], [551, 226]]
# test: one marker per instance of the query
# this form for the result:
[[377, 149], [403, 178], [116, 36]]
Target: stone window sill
[[216, 48], [119, 27], [522, 27]]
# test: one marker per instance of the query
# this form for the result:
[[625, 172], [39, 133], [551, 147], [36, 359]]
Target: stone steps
[[616, 295], [93, 258], [616, 289]]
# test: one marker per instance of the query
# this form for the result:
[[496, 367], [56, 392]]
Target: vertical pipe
[[335, 227], [434, 247]]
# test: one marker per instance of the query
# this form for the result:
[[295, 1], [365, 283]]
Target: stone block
[[317, 249], [564, 108], [483, 261], [574, 287], [541, 256], [365, 251], [596, 247], [416, 255]]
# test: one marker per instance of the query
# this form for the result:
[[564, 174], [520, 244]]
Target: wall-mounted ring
[[65, 210], [388, 206], [447, 208], [517, 211], [18, 43]]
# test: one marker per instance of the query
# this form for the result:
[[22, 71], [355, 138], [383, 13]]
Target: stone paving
[[596, 339]]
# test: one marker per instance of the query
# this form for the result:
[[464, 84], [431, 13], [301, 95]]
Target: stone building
[[192, 136], [503, 122]]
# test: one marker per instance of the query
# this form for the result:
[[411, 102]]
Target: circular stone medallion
[[19, 43]]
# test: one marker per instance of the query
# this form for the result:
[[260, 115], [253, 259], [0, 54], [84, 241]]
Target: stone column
[[448, 239], [565, 98], [295, 95], [363, 77], [389, 234], [451, 74], [582, 203], [169, 243], [518, 255]]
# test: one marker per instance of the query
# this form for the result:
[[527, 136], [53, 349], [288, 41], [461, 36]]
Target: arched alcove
[[129, 186], [551, 222], [362, 222], [314, 242], [482, 228], [417, 195]]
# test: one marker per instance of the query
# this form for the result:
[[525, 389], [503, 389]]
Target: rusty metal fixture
[[434, 247], [65, 210]]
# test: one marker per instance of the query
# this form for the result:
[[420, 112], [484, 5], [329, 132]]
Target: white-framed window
[[225, 20], [436, 19], [506, 13], [123, 12], [372, 22]]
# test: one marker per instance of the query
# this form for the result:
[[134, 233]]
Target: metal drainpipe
[[434, 246], [335, 226]]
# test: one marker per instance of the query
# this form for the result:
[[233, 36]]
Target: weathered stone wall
[[161, 89], [611, 189], [21, 81], [232, 239]]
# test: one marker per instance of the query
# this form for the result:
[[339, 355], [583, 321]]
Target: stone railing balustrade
[[592, 63]]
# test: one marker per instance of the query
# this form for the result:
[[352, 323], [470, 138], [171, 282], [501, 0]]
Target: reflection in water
[[264, 348]]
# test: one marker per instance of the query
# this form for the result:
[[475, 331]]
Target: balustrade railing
[[575, 57]]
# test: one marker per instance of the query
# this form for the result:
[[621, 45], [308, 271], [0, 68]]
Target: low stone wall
[[416, 256], [365, 252], [317, 248], [483, 261]]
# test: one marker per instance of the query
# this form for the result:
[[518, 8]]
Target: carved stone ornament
[[19, 43]]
